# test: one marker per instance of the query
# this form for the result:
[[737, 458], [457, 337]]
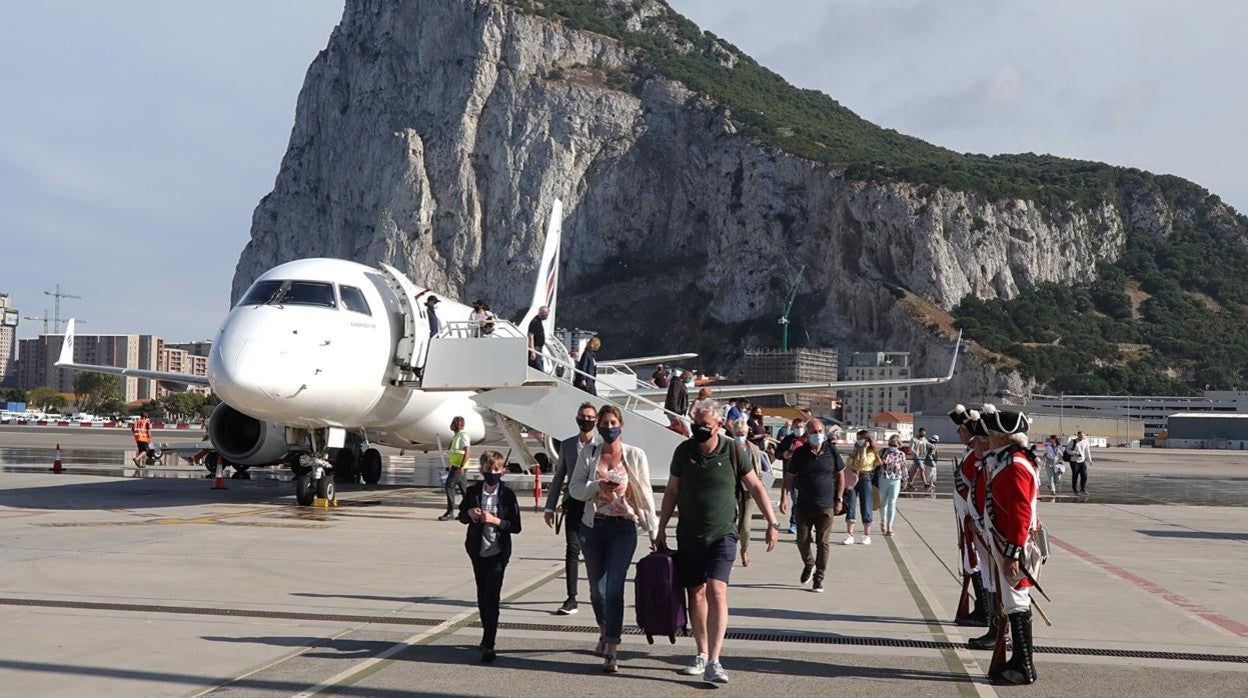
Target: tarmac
[[163, 587]]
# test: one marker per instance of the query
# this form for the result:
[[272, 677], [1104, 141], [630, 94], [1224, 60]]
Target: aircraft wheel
[[370, 466], [305, 491], [346, 466], [210, 462], [325, 487]]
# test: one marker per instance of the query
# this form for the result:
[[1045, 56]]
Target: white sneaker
[[849, 540], [697, 667], [866, 540]]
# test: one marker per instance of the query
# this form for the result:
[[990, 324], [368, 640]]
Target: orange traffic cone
[[218, 482], [56, 461]]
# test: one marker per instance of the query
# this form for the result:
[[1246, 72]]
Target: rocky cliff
[[434, 135]]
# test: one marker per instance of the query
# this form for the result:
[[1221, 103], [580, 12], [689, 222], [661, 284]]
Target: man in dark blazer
[[573, 509], [492, 514]]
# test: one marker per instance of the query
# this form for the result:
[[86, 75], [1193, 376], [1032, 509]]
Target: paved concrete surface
[[163, 587]]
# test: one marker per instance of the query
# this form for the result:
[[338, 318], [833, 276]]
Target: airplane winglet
[[957, 349], [67, 345]]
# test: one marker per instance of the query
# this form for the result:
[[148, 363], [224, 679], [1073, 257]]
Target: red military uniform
[[1015, 487], [965, 484]]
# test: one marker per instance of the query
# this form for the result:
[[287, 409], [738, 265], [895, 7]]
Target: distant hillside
[[1169, 316]]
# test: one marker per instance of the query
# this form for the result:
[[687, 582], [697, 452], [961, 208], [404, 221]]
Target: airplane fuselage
[[312, 345]]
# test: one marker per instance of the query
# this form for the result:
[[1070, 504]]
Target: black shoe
[[568, 607], [806, 573], [1019, 670], [488, 655], [446, 517]]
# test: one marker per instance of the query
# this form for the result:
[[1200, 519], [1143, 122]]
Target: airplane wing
[[66, 360], [732, 391], [648, 360]]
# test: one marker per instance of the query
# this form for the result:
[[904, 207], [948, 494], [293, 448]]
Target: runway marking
[[958, 660], [374, 664], [211, 520], [1190, 607]]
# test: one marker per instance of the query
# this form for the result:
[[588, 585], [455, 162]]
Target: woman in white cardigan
[[613, 479]]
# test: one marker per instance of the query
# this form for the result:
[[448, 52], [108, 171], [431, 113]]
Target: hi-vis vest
[[458, 449], [142, 430]]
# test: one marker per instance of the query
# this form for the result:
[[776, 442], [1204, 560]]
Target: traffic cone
[[218, 482], [537, 488], [56, 461]]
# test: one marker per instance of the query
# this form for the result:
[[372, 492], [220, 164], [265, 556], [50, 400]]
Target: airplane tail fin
[[67, 344], [546, 287]]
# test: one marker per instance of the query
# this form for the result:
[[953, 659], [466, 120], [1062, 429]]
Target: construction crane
[[56, 315], [788, 306], [45, 320]]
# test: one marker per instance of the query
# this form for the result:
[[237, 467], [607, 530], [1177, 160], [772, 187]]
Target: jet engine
[[246, 440]]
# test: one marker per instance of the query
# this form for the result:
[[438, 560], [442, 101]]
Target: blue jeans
[[889, 490], [863, 495], [608, 548]]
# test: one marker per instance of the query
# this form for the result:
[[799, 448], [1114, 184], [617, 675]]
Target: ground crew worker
[[459, 453], [963, 508], [142, 430], [1012, 493]]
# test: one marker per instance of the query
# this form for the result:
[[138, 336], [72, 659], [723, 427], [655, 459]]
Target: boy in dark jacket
[[492, 514]]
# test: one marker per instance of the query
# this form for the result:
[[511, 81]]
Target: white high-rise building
[[861, 404], [8, 342]]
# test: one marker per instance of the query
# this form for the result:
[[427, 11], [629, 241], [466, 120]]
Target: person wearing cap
[[972, 433], [434, 324], [1011, 496]]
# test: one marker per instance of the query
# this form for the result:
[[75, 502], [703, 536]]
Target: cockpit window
[[273, 292], [353, 299], [261, 292]]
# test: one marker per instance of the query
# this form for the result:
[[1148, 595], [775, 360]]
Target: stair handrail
[[632, 396], [470, 329]]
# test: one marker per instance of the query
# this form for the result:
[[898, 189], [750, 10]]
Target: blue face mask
[[815, 439], [609, 434], [491, 479]]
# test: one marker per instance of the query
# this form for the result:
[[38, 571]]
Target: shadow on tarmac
[[1197, 535], [459, 603], [786, 614], [136, 493]]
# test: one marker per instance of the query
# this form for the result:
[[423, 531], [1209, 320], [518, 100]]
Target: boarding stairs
[[495, 367]]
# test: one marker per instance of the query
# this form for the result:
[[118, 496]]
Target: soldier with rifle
[[1010, 526], [966, 516]]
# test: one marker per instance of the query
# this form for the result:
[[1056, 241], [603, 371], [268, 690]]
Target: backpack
[[660, 597]]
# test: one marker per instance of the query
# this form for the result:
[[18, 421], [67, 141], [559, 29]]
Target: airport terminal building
[[1204, 430]]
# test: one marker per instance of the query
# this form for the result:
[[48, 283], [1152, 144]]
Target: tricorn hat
[[958, 415], [974, 423], [1005, 421]]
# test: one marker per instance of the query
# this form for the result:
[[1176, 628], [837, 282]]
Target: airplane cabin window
[[353, 299], [319, 293], [261, 292]]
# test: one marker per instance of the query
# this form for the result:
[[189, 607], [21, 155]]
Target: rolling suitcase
[[660, 597]]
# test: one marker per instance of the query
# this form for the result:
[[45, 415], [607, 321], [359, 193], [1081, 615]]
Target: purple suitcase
[[660, 598]]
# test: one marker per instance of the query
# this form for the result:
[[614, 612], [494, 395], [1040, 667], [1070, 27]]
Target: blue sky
[[137, 137]]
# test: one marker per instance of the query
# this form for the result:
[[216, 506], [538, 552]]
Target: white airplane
[[324, 354]]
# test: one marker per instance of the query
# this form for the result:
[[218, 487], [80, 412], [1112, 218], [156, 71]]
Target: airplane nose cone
[[251, 379]]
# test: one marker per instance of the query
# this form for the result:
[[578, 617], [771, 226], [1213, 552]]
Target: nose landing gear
[[313, 478]]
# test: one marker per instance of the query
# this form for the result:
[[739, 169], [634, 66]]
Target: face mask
[[586, 425], [739, 439], [815, 438], [800, 431], [701, 433], [609, 434], [860, 443], [491, 479]]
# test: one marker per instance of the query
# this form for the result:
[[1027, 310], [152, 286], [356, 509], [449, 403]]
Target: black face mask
[[702, 434], [492, 479], [586, 425]]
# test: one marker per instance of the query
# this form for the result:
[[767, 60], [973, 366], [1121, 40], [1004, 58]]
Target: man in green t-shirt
[[705, 474]]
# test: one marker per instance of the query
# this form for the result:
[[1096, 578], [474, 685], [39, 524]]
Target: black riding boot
[[989, 639], [1020, 670], [978, 617]]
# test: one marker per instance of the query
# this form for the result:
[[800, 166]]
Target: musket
[[964, 602]]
